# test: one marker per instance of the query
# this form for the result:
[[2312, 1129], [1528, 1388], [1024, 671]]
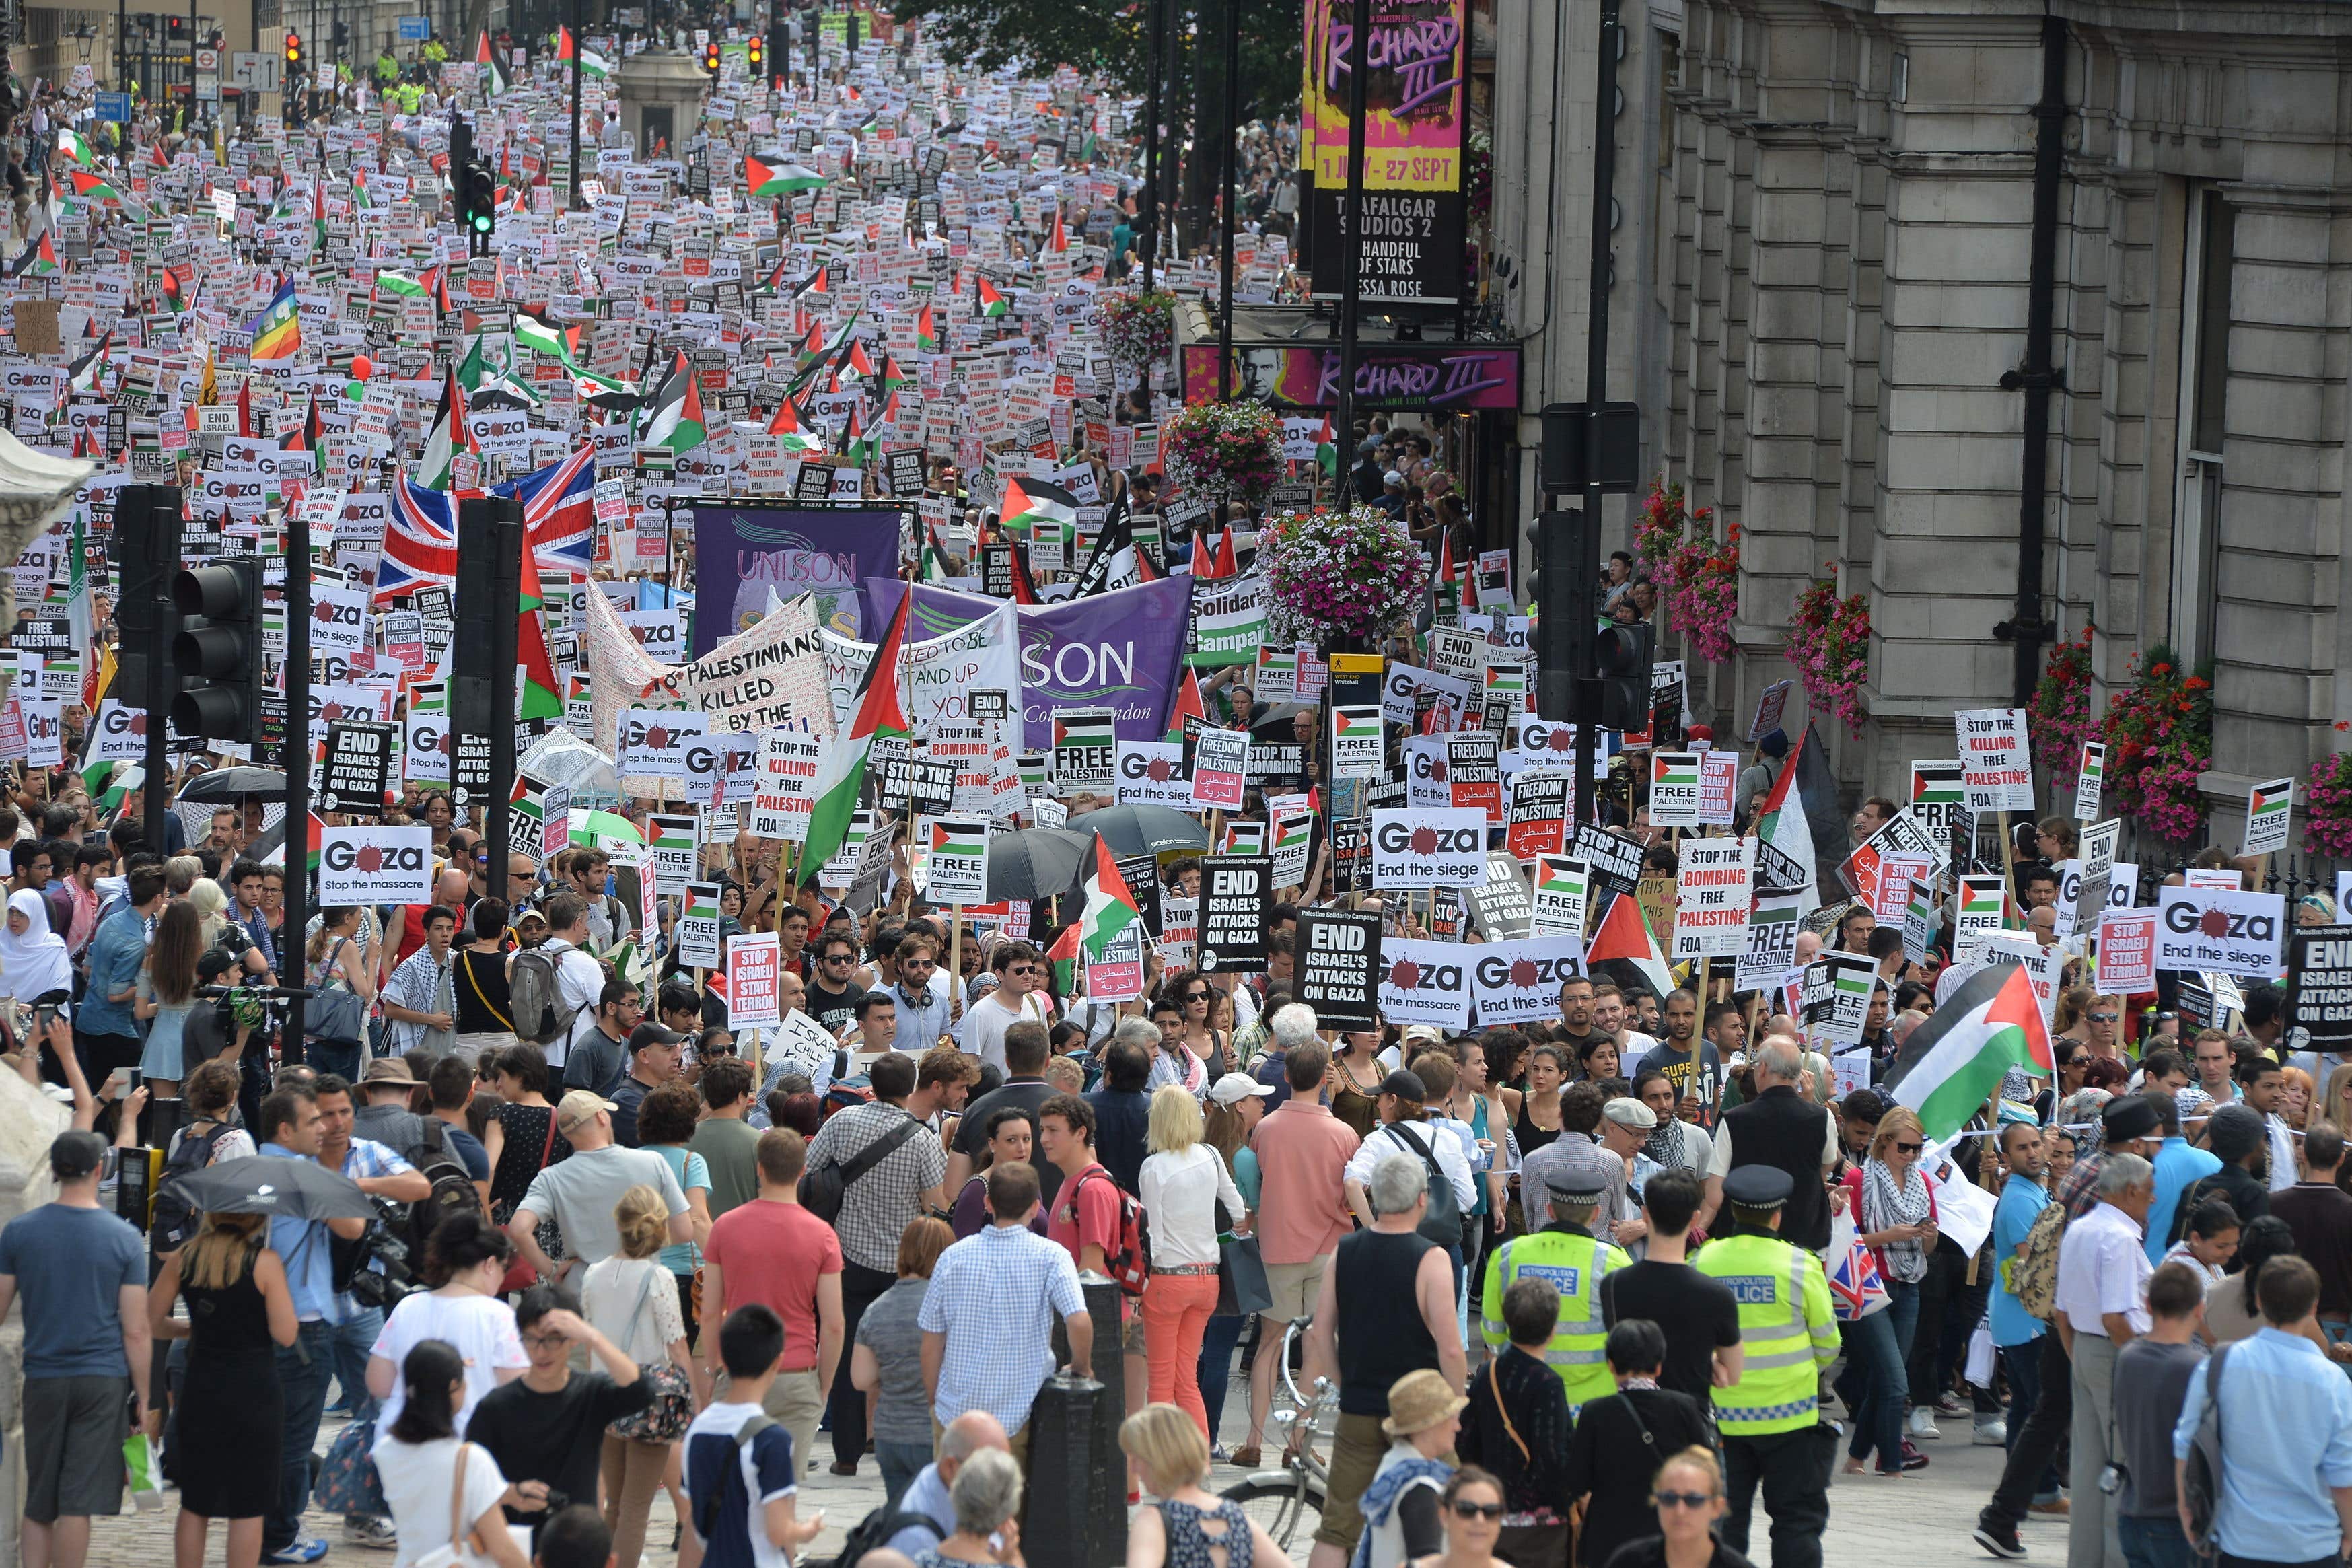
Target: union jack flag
[[559, 512], [1855, 1289], [420, 542]]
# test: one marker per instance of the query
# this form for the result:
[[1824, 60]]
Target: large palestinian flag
[[1954, 1061]]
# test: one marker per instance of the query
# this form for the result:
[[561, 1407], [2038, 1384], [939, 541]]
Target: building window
[[2204, 396]]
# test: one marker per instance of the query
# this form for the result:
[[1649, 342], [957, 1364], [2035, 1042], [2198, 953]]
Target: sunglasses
[[1024, 969], [2103, 1017], [1901, 1147], [917, 964], [1196, 996], [1465, 1509], [1683, 1500]]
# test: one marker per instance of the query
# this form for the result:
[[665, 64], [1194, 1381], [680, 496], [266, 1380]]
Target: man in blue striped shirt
[[2286, 1433]]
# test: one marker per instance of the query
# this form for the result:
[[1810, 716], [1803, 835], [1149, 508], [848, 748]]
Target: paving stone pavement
[[1920, 1521]]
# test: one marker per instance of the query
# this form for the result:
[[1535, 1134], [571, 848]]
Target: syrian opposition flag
[[767, 181], [676, 421], [841, 776], [1799, 816], [1033, 503], [1954, 1061], [1110, 908], [1625, 939]]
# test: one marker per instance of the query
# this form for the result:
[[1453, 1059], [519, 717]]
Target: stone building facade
[[1823, 280]]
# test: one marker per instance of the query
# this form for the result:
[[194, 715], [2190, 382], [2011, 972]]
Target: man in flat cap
[[1770, 1418]]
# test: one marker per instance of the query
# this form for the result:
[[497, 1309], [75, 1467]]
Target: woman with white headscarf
[[33, 961]]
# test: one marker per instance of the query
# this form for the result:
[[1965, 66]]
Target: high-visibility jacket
[[1788, 1333], [1575, 1263]]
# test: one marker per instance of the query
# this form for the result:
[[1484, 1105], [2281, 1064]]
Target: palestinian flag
[[400, 286], [1188, 705], [1800, 816], [787, 424], [495, 78], [853, 358], [1110, 908], [277, 330], [855, 445], [70, 146], [540, 336], [1954, 1061], [39, 259], [82, 375], [1063, 958], [927, 332], [176, 296], [536, 694], [1624, 939], [591, 64], [1224, 564], [304, 437], [1061, 239], [986, 300], [676, 418], [90, 187], [935, 556], [841, 776], [1031, 503], [767, 183], [893, 378], [446, 439]]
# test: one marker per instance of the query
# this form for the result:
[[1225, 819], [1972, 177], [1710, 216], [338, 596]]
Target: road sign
[[208, 87], [253, 72], [415, 29], [114, 106]]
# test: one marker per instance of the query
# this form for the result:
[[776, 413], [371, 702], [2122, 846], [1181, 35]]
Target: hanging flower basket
[[1138, 328], [2327, 807], [2060, 719], [2159, 733], [1829, 642], [1332, 576], [1224, 452], [1698, 575]]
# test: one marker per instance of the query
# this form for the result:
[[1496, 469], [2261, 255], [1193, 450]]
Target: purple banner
[[1122, 650], [741, 553]]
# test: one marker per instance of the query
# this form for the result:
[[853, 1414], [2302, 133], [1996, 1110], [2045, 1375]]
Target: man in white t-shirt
[[1020, 971], [579, 979]]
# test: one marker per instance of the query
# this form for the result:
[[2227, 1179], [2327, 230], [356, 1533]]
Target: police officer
[[1565, 1253], [1770, 1419]]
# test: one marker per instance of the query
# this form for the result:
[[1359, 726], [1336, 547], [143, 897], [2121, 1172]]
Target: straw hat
[[1420, 1400]]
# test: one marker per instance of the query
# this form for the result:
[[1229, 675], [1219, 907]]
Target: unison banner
[[1121, 650], [741, 553]]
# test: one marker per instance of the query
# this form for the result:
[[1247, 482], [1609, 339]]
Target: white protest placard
[[1712, 889], [753, 966], [555, 821], [958, 859], [1151, 773], [2269, 808], [1518, 982], [374, 864], [1675, 789], [339, 619], [652, 742], [1773, 924], [2088, 778], [1560, 894], [2222, 929], [1220, 768], [1438, 846], [677, 845], [784, 788], [1425, 982], [1983, 905], [697, 927], [1996, 767]]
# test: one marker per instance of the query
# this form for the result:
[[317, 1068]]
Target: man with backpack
[[428, 1143], [554, 984], [1402, 1130]]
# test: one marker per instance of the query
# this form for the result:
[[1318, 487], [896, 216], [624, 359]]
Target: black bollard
[[1081, 1521]]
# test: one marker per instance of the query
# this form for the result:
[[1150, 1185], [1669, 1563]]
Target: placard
[[1713, 890], [677, 845], [2319, 983], [1086, 751], [1675, 789], [1219, 769], [1561, 894], [2088, 777], [959, 860], [555, 821], [358, 765], [1425, 982], [1540, 805], [2098, 859], [1614, 859], [2268, 808], [697, 927], [2216, 929], [1500, 907], [1235, 896], [1773, 923], [1151, 773], [1338, 966], [1357, 732], [1920, 920], [1983, 907], [754, 967], [1837, 991], [375, 863], [1518, 982], [1996, 766], [1939, 801], [1439, 846]]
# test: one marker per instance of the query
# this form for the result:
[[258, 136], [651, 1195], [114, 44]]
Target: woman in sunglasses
[[1173, 1457], [1471, 1507], [1688, 1493], [1895, 1213], [1210, 1045]]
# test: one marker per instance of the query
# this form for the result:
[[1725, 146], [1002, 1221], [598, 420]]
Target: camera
[[386, 1287]]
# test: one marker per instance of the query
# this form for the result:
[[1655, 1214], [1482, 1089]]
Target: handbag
[[461, 1549], [2201, 1483], [335, 1017], [671, 1411], [348, 1482], [1856, 1287], [1242, 1287]]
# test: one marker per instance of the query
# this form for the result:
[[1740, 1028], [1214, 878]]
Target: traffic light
[[146, 556], [754, 52], [293, 53], [1568, 569], [1620, 667], [780, 45], [218, 653], [710, 56], [477, 202]]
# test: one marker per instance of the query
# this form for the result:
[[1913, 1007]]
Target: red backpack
[[1130, 1261]]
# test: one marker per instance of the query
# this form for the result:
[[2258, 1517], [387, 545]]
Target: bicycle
[[1288, 1500]]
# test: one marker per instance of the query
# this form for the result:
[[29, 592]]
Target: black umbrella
[[1036, 863], [282, 1189], [1146, 829], [232, 784]]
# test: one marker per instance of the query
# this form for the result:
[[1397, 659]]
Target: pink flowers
[[1829, 642], [2327, 807], [2159, 733], [1697, 577], [1329, 575], [1137, 328], [2060, 718], [1224, 452]]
